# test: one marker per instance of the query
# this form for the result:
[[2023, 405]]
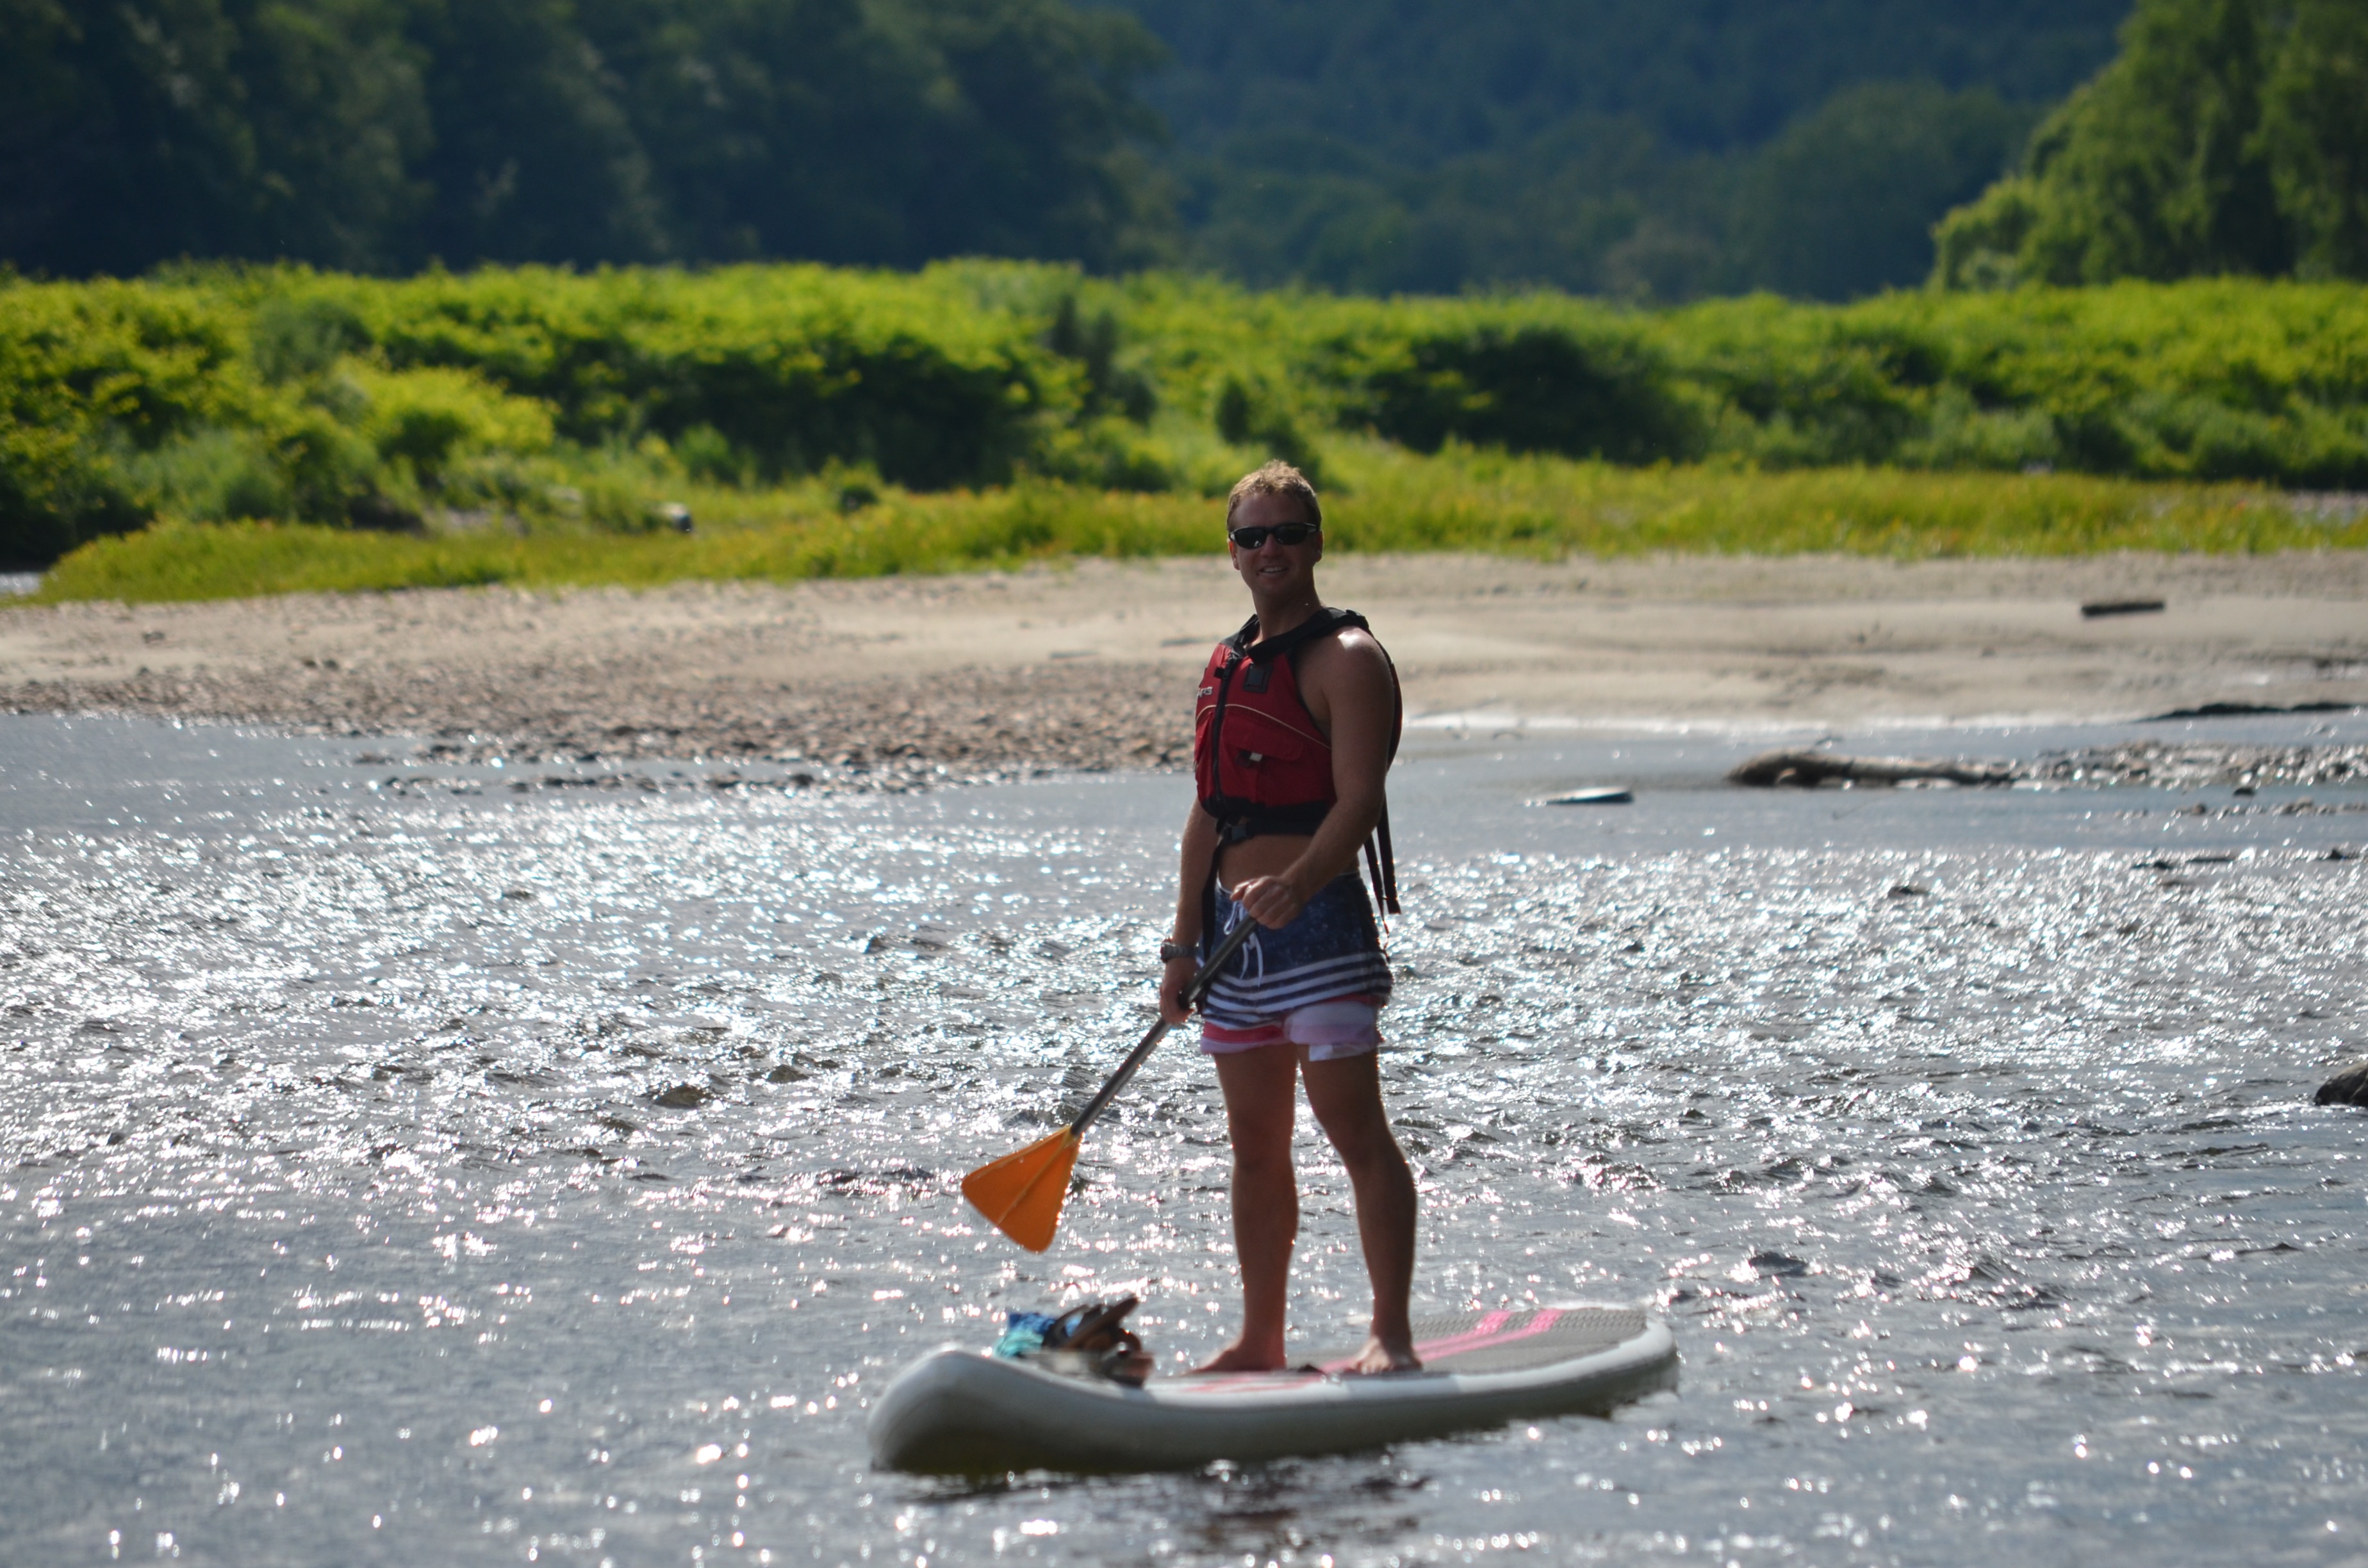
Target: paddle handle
[[1193, 993]]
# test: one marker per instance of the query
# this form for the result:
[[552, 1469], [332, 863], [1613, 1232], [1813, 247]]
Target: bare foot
[[1378, 1356], [1240, 1358]]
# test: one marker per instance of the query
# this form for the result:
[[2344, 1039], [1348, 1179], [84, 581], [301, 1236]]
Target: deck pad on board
[[1507, 1340], [1516, 1339]]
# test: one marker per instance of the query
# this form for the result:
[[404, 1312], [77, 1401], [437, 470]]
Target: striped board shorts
[[1318, 983]]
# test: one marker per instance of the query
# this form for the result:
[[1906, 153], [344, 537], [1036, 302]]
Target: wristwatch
[[1170, 951]]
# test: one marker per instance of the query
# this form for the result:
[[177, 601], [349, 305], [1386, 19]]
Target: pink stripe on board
[[1489, 1324], [1484, 1338], [1481, 1335]]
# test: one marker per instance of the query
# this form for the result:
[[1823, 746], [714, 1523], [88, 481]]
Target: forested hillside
[[1648, 150], [379, 135], [1653, 149]]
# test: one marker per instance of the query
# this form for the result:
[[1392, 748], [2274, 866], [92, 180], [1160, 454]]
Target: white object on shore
[[1601, 795], [960, 1413]]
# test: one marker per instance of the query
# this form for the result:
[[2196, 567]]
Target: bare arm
[[1199, 857]]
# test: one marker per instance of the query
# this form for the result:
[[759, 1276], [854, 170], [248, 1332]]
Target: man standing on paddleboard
[[1295, 723]]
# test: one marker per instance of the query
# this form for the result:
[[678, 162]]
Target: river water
[[404, 1166]]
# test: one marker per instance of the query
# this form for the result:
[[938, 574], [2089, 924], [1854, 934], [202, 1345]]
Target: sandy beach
[[1091, 666]]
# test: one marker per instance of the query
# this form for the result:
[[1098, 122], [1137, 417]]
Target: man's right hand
[[1174, 976]]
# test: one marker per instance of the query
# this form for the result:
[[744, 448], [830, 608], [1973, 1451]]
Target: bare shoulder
[[1356, 640], [1348, 667]]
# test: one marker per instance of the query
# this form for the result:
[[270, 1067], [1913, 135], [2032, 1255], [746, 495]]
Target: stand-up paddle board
[[960, 1413]]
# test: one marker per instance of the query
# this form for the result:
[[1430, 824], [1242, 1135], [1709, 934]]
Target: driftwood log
[[1809, 768], [2349, 1086]]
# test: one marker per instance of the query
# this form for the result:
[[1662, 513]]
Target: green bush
[[89, 376], [583, 402], [1580, 389], [794, 366], [2219, 379]]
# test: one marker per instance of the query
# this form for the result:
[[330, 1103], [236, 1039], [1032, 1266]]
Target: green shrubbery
[[534, 402], [1387, 499], [2204, 381]]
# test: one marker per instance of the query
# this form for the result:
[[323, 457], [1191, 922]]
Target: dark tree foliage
[[129, 134], [1842, 203], [2156, 161], [1415, 83], [535, 159], [2230, 137], [1037, 133], [1652, 151], [1644, 150], [735, 99], [385, 134], [1531, 388], [116, 137], [2314, 132], [836, 131]]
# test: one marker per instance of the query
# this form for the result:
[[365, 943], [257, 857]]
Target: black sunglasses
[[1285, 533]]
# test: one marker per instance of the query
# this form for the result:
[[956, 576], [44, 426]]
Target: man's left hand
[[1272, 902]]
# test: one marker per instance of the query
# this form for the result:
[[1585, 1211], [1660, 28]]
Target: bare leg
[[1346, 1095], [1261, 1099]]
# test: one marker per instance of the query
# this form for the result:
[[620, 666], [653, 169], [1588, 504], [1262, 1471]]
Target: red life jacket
[[1261, 763]]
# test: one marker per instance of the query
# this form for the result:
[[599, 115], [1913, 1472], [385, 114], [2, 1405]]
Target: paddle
[[1022, 1193]]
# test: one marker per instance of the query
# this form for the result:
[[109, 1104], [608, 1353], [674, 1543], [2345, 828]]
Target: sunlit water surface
[[444, 1173]]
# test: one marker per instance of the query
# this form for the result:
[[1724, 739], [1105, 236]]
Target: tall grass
[[1464, 500]]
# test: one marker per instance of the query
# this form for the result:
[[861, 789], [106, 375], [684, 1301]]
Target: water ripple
[[556, 1180]]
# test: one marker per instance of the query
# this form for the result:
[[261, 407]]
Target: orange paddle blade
[[1021, 1193]]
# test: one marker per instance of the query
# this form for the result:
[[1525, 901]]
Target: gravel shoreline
[[964, 724], [894, 732], [1093, 665], [2201, 764]]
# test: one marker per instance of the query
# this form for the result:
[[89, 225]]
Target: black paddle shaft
[[1193, 993]]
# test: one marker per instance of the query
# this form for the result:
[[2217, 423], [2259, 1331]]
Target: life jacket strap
[[1322, 623]]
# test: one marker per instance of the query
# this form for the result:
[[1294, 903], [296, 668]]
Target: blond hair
[[1277, 478]]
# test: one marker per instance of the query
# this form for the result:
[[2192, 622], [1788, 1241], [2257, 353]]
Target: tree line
[[1654, 151], [1650, 150], [386, 135], [2230, 137]]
